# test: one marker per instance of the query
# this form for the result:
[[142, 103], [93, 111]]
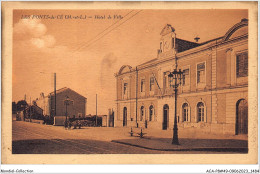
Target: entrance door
[[125, 116], [165, 116], [242, 117], [111, 119]]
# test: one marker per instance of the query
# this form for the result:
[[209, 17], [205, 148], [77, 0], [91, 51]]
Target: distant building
[[214, 92], [34, 112], [44, 103], [76, 107]]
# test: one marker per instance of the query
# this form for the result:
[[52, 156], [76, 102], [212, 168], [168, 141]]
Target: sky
[[86, 53]]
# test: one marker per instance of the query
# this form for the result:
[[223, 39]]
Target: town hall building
[[213, 96]]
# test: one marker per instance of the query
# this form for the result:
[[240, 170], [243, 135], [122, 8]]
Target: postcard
[[129, 83]]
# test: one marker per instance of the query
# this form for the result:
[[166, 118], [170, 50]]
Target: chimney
[[197, 39]]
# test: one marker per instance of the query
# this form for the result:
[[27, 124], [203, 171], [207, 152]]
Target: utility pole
[[96, 110], [54, 94], [67, 103], [52, 110], [86, 106], [30, 110], [136, 95]]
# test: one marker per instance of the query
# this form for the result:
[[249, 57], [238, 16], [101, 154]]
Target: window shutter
[[242, 65]]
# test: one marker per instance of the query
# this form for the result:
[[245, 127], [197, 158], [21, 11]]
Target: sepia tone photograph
[[130, 81]]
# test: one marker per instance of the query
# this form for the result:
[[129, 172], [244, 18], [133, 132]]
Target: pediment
[[167, 29], [237, 30], [125, 68]]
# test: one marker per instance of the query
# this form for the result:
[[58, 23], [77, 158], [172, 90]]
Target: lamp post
[[175, 81], [66, 102]]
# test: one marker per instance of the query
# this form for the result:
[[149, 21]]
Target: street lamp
[[175, 81], [66, 102]]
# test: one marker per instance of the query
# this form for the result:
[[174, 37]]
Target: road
[[32, 138]]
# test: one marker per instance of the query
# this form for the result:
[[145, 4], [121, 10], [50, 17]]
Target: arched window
[[141, 113], [200, 112], [125, 116], [165, 117], [242, 117], [151, 113], [185, 112]]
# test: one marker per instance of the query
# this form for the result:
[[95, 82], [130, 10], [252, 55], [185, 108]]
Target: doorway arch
[[241, 117], [125, 116], [165, 123]]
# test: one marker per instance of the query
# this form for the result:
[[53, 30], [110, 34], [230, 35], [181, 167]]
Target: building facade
[[44, 103], [214, 92], [76, 105]]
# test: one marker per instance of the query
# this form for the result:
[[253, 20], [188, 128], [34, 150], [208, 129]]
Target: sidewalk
[[161, 140]]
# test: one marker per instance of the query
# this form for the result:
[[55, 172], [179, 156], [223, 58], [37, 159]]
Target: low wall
[[59, 120]]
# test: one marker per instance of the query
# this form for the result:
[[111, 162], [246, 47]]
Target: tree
[[14, 108], [21, 105]]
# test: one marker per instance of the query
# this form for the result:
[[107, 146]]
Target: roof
[[36, 107], [59, 90], [64, 89], [184, 45], [212, 40], [150, 61]]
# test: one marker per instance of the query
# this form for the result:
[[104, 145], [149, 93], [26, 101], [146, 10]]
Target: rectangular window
[[186, 77], [242, 65], [125, 88], [201, 73], [151, 83], [201, 114], [142, 85]]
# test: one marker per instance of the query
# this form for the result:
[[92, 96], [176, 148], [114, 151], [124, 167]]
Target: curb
[[213, 149]]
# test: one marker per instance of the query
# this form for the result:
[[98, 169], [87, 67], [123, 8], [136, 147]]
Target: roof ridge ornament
[[167, 29], [244, 20]]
